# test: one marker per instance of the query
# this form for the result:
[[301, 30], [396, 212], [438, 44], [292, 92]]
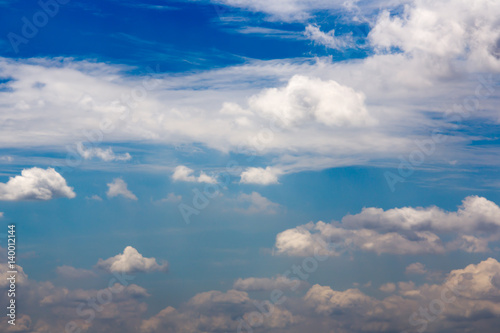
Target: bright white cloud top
[[404, 231], [131, 261], [36, 184], [119, 188]]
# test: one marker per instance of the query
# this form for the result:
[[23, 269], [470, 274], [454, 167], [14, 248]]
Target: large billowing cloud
[[306, 99], [36, 184], [401, 230], [131, 261], [444, 29]]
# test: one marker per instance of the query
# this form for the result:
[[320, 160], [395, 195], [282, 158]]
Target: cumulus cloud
[[1, 215], [446, 29], [400, 230], [94, 197], [307, 99], [260, 176], [131, 261], [119, 188], [416, 268], [254, 203], [36, 184], [70, 272], [185, 174], [106, 155], [325, 300]]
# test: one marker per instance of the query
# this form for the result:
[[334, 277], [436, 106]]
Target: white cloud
[[260, 176], [131, 261], [262, 284], [307, 99], [254, 203], [36, 184], [1, 215], [185, 174], [416, 268], [400, 230], [444, 29], [475, 214], [119, 187], [70, 272], [106, 155], [328, 39], [94, 197], [442, 52]]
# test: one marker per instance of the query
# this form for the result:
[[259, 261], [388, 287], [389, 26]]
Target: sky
[[250, 165]]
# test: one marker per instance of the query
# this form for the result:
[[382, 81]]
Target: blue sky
[[217, 152]]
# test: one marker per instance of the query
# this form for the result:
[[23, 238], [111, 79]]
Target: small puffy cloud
[[131, 261], [256, 204], [185, 174], [36, 184], [94, 197], [307, 99], [262, 284], [119, 187], [328, 39], [388, 287], [106, 155], [172, 198], [260, 176], [1, 215], [416, 268], [74, 273]]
